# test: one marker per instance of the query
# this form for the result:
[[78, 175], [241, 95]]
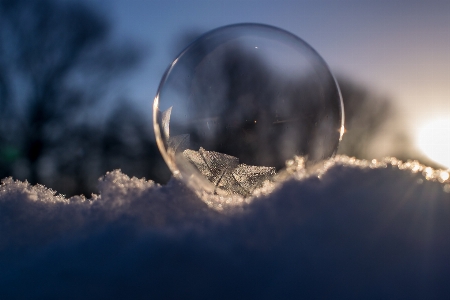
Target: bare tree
[[367, 117], [370, 118], [128, 143], [56, 62], [374, 126]]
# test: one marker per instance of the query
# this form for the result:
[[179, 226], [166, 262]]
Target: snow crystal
[[352, 230]]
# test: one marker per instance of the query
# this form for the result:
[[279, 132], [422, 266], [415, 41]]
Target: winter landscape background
[[77, 80]]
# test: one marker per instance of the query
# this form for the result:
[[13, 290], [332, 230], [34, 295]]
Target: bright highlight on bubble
[[434, 141], [243, 105]]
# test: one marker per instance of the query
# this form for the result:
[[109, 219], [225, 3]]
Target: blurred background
[[77, 78]]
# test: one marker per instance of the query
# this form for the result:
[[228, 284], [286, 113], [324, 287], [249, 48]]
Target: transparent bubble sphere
[[241, 105]]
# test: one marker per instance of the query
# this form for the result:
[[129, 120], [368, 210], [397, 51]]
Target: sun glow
[[434, 140]]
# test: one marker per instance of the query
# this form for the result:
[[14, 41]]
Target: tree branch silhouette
[[56, 63]]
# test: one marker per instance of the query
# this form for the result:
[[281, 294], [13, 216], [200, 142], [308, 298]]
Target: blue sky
[[398, 48]]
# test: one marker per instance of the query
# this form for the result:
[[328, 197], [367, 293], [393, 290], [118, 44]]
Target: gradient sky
[[398, 48]]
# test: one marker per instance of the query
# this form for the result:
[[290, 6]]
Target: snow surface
[[356, 230]]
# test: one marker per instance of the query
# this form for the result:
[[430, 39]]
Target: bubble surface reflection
[[240, 102]]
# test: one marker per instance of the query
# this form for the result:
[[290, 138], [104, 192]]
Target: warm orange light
[[434, 140], [342, 130]]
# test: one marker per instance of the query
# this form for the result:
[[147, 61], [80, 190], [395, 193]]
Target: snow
[[354, 230]]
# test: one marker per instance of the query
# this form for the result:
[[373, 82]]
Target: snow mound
[[354, 230]]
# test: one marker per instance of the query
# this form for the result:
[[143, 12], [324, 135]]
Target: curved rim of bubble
[[172, 166]]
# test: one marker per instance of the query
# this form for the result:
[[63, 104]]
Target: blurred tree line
[[374, 126], [58, 65], [238, 100]]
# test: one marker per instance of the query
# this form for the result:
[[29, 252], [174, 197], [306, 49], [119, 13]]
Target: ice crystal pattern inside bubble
[[239, 102]]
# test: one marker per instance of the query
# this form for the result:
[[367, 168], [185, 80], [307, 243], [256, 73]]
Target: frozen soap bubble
[[241, 104]]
